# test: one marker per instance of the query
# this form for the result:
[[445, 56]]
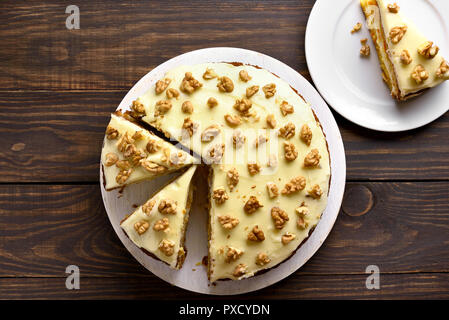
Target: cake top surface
[[268, 155], [417, 62], [158, 225]]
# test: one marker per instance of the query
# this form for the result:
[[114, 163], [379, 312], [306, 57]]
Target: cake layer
[[131, 154], [158, 226], [267, 152]]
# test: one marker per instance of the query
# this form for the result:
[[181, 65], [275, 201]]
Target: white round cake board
[[193, 275]]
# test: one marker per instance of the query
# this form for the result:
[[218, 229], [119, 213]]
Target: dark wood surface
[[57, 88]]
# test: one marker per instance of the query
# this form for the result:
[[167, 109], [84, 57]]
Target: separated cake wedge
[[410, 62], [158, 227]]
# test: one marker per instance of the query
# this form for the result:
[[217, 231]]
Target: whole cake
[[267, 154], [410, 63]]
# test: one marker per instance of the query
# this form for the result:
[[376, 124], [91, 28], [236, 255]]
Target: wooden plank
[[392, 286], [400, 227], [118, 42], [57, 137]]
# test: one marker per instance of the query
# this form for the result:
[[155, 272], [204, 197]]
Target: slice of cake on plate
[[158, 227], [267, 153], [410, 63], [131, 154]]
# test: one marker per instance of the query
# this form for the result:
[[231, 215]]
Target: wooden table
[[57, 89]]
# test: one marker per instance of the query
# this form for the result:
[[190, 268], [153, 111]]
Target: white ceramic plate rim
[[337, 156], [316, 43]]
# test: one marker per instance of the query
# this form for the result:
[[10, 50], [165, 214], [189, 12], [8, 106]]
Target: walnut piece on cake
[[420, 74], [443, 70], [312, 159], [253, 168], [243, 106], [161, 85], [209, 74], [123, 175], [212, 102], [302, 212], [167, 206], [111, 133], [244, 76], [162, 107], [262, 259], [153, 146], [397, 33], [256, 234], [232, 178], [250, 91], [148, 206], [210, 133], [228, 222], [233, 254], [161, 224], [296, 184], [290, 152], [287, 131], [288, 237], [111, 159], [220, 195], [306, 134], [240, 270], [167, 247], [405, 57], [393, 8], [152, 167], [189, 84], [271, 121], [315, 192], [252, 205], [187, 107], [225, 84], [279, 216], [427, 50], [272, 189], [238, 139], [141, 226], [286, 108], [189, 126], [172, 93]]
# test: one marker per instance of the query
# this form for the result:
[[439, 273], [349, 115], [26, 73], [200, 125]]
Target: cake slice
[[131, 154], [158, 227], [410, 62]]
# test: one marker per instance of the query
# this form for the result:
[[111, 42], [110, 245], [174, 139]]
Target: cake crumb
[[356, 28]]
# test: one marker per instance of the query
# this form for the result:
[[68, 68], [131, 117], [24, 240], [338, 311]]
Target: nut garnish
[[212, 102], [287, 131], [137, 135], [244, 76], [215, 153], [220, 195], [148, 206], [420, 74], [167, 206], [232, 178], [302, 212], [189, 126], [225, 84], [243, 105], [232, 120], [111, 133], [405, 57], [272, 189], [253, 168], [152, 167], [290, 151], [269, 90], [162, 107], [262, 259], [161, 224], [172, 93], [209, 74], [123, 164], [393, 8], [250, 91], [167, 247], [138, 108], [260, 140], [365, 50], [228, 222], [161, 85], [443, 70], [306, 134], [286, 108], [240, 270], [238, 139], [233, 254], [279, 217], [288, 237], [271, 121], [189, 84], [153, 146], [111, 159], [256, 234], [315, 192], [210, 133], [272, 161], [123, 175], [397, 33], [138, 155], [252, 205], [141, 226], [296, 184], [427, 50], [356, 28], [187, 107], [312, 159]]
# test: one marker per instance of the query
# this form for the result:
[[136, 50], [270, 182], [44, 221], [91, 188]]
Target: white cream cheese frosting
[[159, 225], [235, 252], [126, 157], [386, 23]]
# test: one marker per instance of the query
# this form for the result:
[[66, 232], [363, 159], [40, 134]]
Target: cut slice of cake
[[158, 227], [410, 63], [131, 154], [267, 153]]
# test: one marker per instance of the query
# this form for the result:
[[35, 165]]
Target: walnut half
[[420, 74], [279, 216], [256, 235], [397, 33], [427, 50], [252, 205]]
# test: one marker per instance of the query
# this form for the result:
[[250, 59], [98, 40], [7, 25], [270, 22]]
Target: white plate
[[353, 85], [196, 238]]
